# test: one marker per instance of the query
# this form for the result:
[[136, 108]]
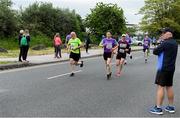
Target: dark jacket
[[167, 53]]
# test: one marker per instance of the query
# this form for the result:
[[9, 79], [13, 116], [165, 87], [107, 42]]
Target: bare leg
[[108, 65], [160, 96], [118, 65], [72, 63], [170, 95], [121, 64]]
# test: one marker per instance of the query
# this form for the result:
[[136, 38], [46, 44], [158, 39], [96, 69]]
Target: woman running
[[123, 48], [109, 44], [74, 45], [146, 47]]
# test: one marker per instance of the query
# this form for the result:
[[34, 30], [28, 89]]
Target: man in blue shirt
[[167, 53]]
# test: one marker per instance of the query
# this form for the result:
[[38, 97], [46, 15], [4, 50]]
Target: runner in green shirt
[[74, 46]]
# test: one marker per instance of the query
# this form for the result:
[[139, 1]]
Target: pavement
[[46, 59], [48, 91]]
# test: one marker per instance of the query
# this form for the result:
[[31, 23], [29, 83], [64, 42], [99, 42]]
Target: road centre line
[[63, 75]]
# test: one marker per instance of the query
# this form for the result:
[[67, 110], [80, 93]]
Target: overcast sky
[[82, 7]]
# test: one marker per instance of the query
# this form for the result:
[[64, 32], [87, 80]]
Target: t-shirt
[[74, 43], [147, 42], [57, 41], [110, 43], [123, 45]]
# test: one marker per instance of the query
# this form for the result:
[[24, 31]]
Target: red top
[[57, 41]]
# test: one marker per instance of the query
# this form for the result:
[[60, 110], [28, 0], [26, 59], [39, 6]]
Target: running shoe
[[118, 74], [72, 74], [145, 60], [109, 76], [156, 110], [170, 109], [131, 57], [82, 64]]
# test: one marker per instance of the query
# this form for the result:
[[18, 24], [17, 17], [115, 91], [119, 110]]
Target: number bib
[[109, 46], [121, 50]]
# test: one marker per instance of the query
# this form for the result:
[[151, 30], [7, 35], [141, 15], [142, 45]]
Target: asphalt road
[[48, 91]]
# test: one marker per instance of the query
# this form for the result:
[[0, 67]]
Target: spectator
[[19, 41], [57, 45]]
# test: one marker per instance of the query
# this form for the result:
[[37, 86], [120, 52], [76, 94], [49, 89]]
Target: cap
[[167, 29], [21, 31], [123, 35]]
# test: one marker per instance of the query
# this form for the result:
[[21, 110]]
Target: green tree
[[43, 18], [105, 17], [159, 14], [7, 19]]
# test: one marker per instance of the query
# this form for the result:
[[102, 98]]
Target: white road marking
[[63, 75], [135, 58]]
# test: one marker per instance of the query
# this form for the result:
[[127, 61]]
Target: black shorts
[[107, 55], [74, 56], [121, 55], [164, 78], [144, 49]]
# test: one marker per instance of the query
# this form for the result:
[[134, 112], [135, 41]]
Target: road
[[48, 91]]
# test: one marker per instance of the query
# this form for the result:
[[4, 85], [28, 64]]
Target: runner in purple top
[[109, 44], [68, 37], [146, 47], [129, 41]]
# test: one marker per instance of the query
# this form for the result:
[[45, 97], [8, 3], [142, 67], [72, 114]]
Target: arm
[[127, 48], [159, 49], [116, 45], [60, 41], [102, 44], [80, 45]]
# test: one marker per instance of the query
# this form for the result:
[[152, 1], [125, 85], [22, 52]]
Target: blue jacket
[[167, 53]]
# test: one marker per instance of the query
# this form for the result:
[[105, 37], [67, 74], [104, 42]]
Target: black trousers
[[23, 52], [57, 51], [87, 47], [20, 53]]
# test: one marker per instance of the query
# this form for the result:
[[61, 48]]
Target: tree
[[159, 14], [7, 18], [43, 18], [105, 17]]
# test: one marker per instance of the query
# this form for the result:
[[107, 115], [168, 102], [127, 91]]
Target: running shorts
[[107, 55], [164, 78], [121, 55], [144, 49], [74, 56]]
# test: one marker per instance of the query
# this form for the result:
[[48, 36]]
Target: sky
[[82, 7]]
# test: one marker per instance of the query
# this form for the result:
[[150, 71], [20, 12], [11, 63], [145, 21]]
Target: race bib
[[109, 46], [72, 47], [146, 43], [123, 45], [121, 50]]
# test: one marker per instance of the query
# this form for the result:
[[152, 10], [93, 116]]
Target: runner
[[74, 45], [109, 44], [128, 39], [123, 48], [146, 47]]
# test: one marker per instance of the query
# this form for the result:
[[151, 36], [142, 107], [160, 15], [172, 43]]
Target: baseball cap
[[123, 35], [167, 29]]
